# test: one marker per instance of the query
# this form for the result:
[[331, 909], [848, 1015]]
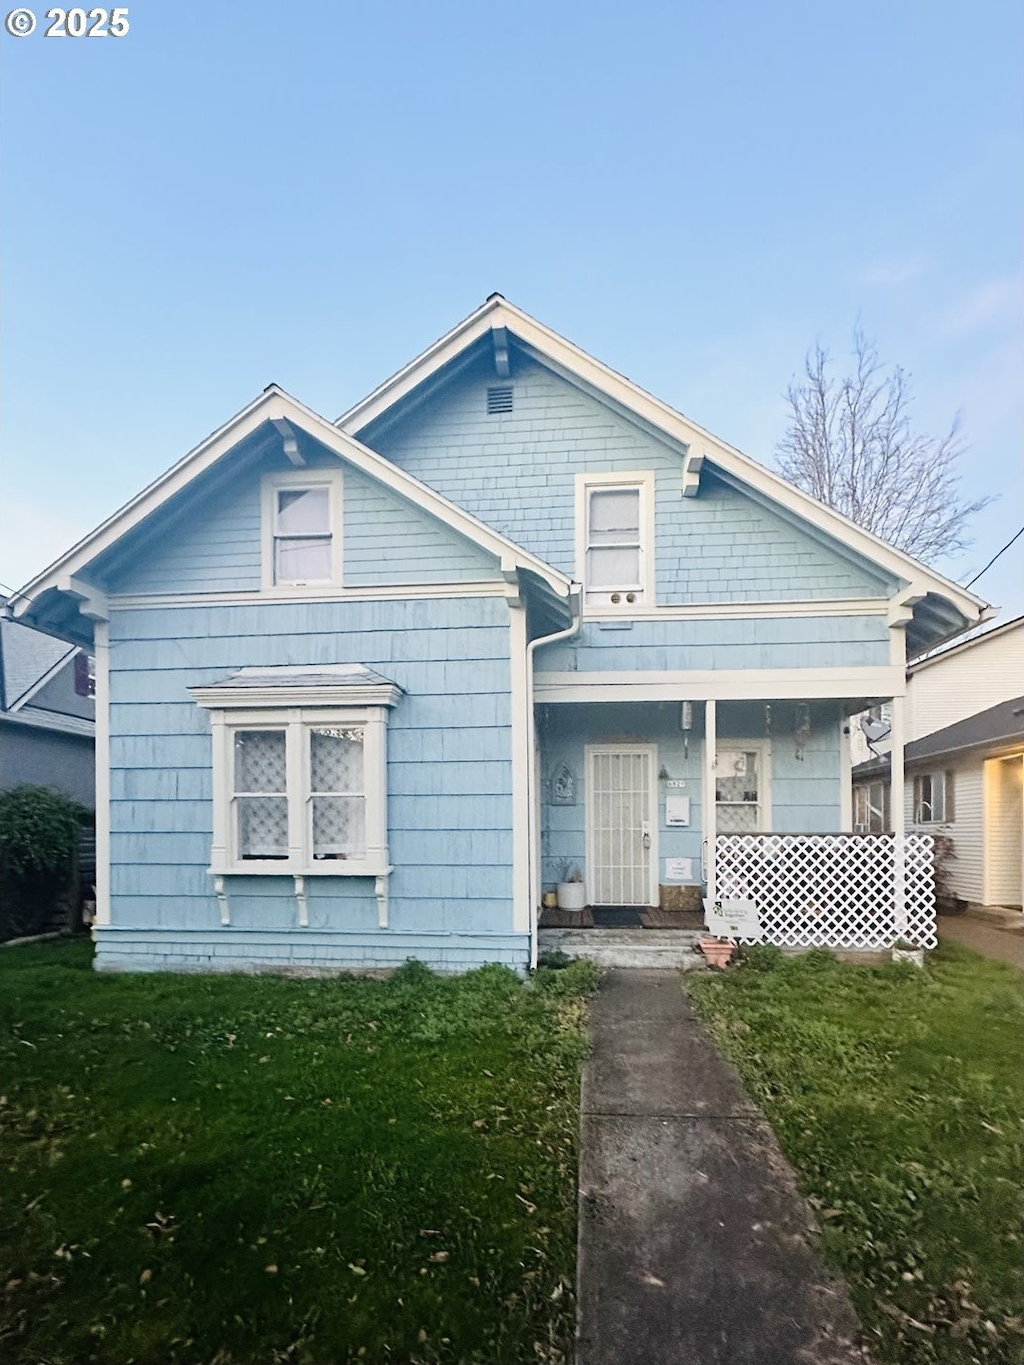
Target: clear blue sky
[[236, 193]]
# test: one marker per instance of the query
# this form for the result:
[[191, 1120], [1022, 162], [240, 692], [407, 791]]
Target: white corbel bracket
[[513, 588], [301, 902], [380, 890], [499, 336], [693, 463], [92, 603], [221, 892], [290, 440], [901, 609]]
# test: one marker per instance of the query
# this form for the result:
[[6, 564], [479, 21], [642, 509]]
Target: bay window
[[299, 771]]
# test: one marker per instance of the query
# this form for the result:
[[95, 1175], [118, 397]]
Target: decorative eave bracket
[[290, 440], [499, 336], [513, 588], [92, 603], [901, 608], [693, 463]]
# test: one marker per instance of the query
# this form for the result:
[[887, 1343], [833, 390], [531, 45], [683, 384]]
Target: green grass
[[241, 1170], [898, 1095]]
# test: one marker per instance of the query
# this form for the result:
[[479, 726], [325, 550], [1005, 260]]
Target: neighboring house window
[[85, 674], [871, 808], [615, 538], [741, 790], [302, 528], [933, 798], [299, 788]]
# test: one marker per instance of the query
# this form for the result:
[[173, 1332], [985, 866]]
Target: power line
[[994, 558]]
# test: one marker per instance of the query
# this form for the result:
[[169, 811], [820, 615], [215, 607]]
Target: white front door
[[622, 825]]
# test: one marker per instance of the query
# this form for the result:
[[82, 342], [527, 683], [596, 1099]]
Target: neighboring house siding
[[965, 869], [1004, 825], [59, 695], [449, 787], [38, 758], [386, 540], [516, 471], [972, 679], [733, 643]]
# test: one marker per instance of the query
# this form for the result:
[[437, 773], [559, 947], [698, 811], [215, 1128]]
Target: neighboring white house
[[964, 764]]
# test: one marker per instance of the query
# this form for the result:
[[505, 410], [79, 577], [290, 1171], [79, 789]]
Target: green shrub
[[38, 833], [762, 957]]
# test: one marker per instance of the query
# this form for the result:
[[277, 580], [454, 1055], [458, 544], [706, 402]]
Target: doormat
[[567, 919], [654, 917]]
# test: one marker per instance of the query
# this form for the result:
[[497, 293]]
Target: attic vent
[[499, 399]]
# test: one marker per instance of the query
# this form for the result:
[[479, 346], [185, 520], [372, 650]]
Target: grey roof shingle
[[26, 655]]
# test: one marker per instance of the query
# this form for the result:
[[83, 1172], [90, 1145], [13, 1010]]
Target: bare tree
[[850, 444]]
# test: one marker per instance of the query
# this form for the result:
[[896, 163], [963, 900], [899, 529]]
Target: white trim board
[[307, 596], [497, 312], [274, 405], [766, 684]]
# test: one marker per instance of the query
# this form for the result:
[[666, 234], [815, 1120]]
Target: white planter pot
[[914, 955], [572, 896]]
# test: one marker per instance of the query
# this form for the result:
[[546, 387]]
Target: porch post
[[710, 811], [897, 809]]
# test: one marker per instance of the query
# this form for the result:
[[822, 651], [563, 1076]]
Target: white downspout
[[575, 597]]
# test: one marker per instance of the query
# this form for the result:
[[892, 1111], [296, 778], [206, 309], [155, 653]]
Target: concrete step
[[658, 949]]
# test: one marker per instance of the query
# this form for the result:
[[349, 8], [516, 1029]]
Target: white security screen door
[[622, 806]]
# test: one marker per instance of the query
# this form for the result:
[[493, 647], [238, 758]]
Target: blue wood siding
[[805, 790], [516, 471], [730, 643], [449, 784], [217, 547]]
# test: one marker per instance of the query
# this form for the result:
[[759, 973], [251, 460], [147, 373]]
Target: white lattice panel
[[830, 890]]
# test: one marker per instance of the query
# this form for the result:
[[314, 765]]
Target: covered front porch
[[660, 809]]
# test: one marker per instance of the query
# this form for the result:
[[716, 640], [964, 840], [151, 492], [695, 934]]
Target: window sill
[[342, 867]]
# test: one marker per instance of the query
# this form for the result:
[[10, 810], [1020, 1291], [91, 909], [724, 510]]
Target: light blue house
[[363, 687]]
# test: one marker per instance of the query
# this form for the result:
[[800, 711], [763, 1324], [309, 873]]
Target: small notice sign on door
[[733, 918]]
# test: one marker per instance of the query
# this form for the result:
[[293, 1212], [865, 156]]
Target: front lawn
[[238, 1170], [898, 1095]]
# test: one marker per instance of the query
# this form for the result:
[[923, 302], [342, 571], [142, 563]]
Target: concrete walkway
[[1004, 945], [695, 1247]]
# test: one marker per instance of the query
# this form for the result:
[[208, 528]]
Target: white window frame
[[293, 479], [298, 721], [603, 599], [941, 780], [864, 808], [763, 749]]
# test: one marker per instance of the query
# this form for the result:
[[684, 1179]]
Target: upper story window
[[302, 528], [615, 550]]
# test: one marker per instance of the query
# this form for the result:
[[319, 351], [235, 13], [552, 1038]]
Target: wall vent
[[499, 399]]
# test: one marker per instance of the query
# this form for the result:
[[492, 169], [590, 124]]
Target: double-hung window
[[614, 538], [299, 771], [933, 798], [302, 528]]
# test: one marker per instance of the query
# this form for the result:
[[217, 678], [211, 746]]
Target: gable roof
[[28, 660], [926, 590], [281, 415]]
